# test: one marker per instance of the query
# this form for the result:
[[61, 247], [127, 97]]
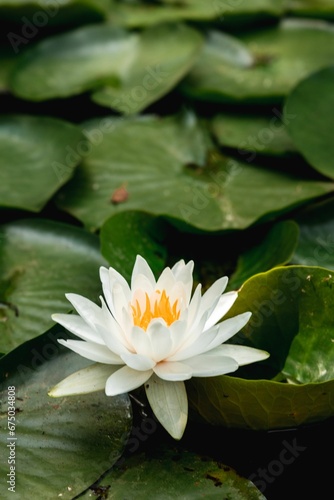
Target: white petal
[[108, 278], [140, 341], [126, 379], [206, 365], [87, 309], [110, 275], [178, 267], [141, 267], [211, 296], [112, 334], [194, 305], [192, 334], [161, 340], [178, 332], [212, 338], [166, 280], [173, 371], [75, 324], [90, 379], [199, 345], [169, 403], [138, 361], [120, 300], [95, 352], [141, 286], [231, 326], [243, 355], [184, 273], [224, 304]]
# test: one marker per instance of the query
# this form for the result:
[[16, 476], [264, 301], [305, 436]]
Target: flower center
[[158, 308]]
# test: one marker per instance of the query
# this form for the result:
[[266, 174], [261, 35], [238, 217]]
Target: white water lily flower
[[156, 333]]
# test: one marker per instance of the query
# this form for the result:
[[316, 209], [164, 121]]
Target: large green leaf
[[73, 62], [41, 261], [153, 71], [310, 8], [128, 234], [129, 69], [261, 66], [31, 150], [33, 17], [62, 445], [137, 14], [168, 166], [315, 245], [312, 103], [259, 134], [7, 61], [292, 319], [169, 473], [274, 249]]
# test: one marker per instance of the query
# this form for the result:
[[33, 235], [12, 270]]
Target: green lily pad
[[128, 234], [58, 447], [275, 249], [315, 245], [42, 260], [153, 71], [311, 103], [324, 9], [267, 63], [147, 476], [292, 319], [139, 14], [34, 16], [260, 134], [168, 166], [130, 70], [31, 150], [73, 62], [7, 61]]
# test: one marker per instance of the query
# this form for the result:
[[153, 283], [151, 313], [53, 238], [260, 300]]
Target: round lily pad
[[260, 134], [278, 58], [311, 104], [169, 166], [35, 159], [73, 62], [153, 71], [41, 261], [292, 319]]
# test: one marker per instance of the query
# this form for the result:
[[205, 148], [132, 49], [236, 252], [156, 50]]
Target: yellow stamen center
[[159, 308]]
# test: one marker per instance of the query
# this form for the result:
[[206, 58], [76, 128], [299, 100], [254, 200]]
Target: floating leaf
[[279, 58], [275, 249], [292, 319], [170, 168], [73, 62], [316, 241], [131, 70], [33, 159], [260, 134], [59, 446], [128, 234], [148, 477], [41, 261], [153, 71], [35, 16], [138, 14], [311, 103]]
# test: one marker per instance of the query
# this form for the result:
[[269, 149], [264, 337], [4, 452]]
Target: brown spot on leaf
[[120, 195]]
